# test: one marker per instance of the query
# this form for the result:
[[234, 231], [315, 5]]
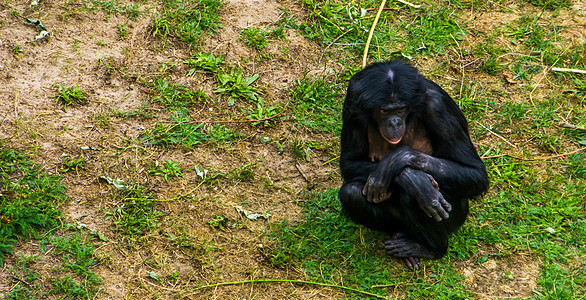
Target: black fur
[[412, 177]]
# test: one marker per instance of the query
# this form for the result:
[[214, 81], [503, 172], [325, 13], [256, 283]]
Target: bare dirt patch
[[513, 277]]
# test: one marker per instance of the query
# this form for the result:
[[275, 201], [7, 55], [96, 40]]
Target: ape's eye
[[385, 111], [401, 109]]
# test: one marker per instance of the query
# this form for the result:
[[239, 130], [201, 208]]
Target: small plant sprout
[[70, 96]]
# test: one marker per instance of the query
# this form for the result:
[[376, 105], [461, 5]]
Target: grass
[[330, 248], [317, 104], [169, 169], [189, 135], [29, 209], [236, 86], [30, 200], [134, 214], [187, 20], [70, 96]]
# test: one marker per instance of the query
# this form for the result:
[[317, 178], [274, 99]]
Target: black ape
[[407, 161]]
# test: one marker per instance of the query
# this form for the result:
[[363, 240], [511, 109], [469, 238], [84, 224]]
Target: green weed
[[219, 222], [69, 163], [16, 49], [254, 37], [262, 112], [122, 31], [205, 61], [70, 96], [167, 170], [236, 86], [301, 150]]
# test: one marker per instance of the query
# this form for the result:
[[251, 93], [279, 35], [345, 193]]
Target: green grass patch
[[29, 208], [187, 20], [330, 248], [176, 97], [76, 279], [317, 104], [254, 37], [134, 213], [205, 61], [29, 200], [114, 7], [405, 30], [70, 96], [552, 4], [189, 135]]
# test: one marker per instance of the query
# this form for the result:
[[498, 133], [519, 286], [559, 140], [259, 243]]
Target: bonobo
[[408, 164]]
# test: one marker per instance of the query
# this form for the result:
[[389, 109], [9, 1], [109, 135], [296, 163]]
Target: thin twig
[[289, 281], [331, 160], [569, 70], [301, 172], [410, 4], [328, 47], [185, 195], [537, 158], [498, 135], [566, 125]]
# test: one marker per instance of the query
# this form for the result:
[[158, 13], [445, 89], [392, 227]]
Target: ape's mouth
[[394, 142]]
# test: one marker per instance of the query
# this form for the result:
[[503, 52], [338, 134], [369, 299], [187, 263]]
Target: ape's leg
[[383, 216], [423, 236]]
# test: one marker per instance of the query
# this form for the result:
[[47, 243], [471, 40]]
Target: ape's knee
[[350, 192]]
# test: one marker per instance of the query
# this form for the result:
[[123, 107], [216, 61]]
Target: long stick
[[569, 70], [288, 281], [380, 10]]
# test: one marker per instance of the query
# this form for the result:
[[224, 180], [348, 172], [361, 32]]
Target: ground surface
[[261, 172]]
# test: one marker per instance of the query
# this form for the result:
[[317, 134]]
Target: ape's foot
[[408, 250]]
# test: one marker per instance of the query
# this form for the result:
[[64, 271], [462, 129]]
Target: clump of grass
[[189, 135], [122, 31], [29, 200], [114, 7], [70, 96], [317, 104], [169, 169], [254, 37], [176, 97], [552, 4], [134, 214], [70, 163], [78, 257], [261, 112], [235, 86], [205, 61], [187, 20]]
